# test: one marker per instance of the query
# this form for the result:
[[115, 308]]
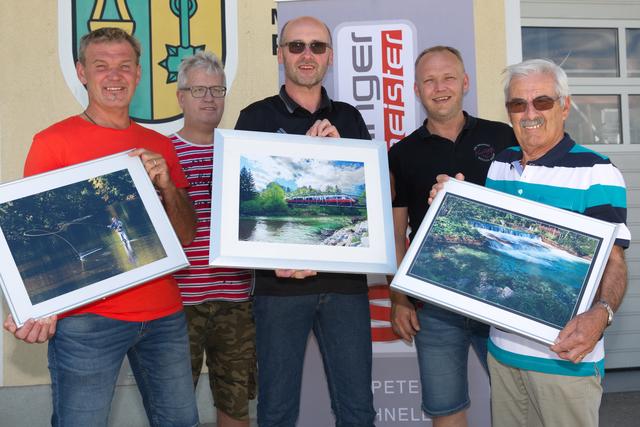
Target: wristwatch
[[607, 307]]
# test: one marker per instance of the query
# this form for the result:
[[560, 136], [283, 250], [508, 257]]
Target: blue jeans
[[85, 356], [342, 327], [443, 349]]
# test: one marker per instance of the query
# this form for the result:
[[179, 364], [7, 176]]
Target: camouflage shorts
[[226, 333]]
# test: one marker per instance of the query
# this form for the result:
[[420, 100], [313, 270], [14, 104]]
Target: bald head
[[302, 21]]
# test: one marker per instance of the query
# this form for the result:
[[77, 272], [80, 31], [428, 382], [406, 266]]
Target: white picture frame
[[80, 233], [522, 266], [350, 166]]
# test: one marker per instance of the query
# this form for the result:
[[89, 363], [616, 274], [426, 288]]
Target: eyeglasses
[[541, 103], [297, 47], [201, 91]]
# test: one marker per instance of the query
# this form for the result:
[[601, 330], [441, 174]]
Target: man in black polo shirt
[[290, 303], [450, 142]]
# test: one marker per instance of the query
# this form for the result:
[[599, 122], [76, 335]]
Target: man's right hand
[[404, 319], [33, 331], [439, 185], [323, 128]]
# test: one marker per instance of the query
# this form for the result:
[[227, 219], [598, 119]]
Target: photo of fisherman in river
[[73, 236], [303, 201], [506, 259], [117, 226]]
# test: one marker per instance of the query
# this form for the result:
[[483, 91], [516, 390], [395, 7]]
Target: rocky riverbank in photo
[[355, 235]]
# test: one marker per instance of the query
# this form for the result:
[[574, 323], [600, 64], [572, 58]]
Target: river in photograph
[[86, 252], [516, 272], [300, 230]]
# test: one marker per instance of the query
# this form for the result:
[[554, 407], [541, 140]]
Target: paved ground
[[617, 410], [620, 409]]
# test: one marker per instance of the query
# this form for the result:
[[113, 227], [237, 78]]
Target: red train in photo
[[325, 200]]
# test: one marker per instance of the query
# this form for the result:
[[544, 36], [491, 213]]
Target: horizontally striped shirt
[[200, 282], [577, 179]]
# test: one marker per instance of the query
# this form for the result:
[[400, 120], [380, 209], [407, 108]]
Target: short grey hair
[[205, 60], [107, 35], [537, 66]]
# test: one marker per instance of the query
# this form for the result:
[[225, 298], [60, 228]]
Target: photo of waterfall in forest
[[506, 259]]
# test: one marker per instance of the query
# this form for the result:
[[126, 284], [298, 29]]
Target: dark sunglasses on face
[[541, 103], [297, 47]]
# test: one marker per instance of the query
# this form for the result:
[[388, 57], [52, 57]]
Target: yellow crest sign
[[168, 31]]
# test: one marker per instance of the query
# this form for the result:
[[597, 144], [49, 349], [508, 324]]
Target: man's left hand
[[156, 167], [323, 128], [580, 335]]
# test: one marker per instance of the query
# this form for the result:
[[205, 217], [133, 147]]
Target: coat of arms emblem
[[168, 30]]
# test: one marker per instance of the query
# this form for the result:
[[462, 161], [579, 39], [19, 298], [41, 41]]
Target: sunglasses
[[541, 103], [297, 47]]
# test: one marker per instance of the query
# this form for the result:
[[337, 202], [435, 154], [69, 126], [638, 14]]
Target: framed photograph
[[80, 233], [300, 202], [520, 265]]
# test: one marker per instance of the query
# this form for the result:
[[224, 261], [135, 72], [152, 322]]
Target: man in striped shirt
[[531, 383], [217, 300]]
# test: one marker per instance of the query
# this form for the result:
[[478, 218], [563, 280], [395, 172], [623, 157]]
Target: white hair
[[537, 66], [202, 59]]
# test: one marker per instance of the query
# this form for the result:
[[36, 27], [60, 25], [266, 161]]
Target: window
[[633, 52], [582, 52], [634, 112], [595, 118], [603, 66]]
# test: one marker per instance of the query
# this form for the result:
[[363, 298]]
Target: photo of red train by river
[[303, 201]]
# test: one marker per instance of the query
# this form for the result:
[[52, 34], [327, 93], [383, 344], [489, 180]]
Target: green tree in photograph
[[272, 199], [114, 187], [247, 185], [362, 200]]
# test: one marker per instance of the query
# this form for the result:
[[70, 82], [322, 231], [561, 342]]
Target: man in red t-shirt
[[87, 346]]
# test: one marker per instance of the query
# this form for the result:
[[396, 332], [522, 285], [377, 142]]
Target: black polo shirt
[[417, 159], [282, 114]]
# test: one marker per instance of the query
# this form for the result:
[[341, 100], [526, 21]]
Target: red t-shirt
[[75, 140]]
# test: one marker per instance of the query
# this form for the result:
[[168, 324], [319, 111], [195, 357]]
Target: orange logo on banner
[[381, 312], [393, 85]]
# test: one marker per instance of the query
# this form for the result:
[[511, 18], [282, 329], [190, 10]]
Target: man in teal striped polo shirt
[[533, 384]]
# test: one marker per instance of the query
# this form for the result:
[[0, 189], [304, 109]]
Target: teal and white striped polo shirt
[[570, 177]]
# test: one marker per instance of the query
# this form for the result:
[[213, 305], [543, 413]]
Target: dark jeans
[[342, 327]]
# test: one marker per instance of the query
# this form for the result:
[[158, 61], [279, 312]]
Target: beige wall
[[34, 95], [491, 53]]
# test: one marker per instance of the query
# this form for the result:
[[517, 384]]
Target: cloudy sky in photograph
[[296, 172]]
